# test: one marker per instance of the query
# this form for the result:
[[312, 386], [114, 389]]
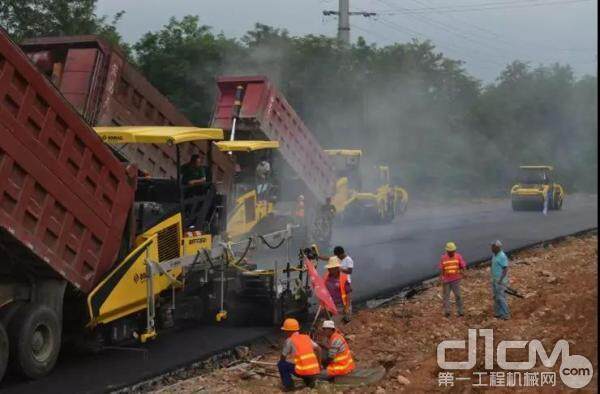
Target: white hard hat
[[497, 243], [328, 324]]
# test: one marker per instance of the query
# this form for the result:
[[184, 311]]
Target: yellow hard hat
[[291, 325], [334, 262], [450, 247]]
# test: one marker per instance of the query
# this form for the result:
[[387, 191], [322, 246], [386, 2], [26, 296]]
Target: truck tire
[[35, 339], [4, 346]]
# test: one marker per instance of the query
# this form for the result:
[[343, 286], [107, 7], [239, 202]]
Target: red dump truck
[[93, 254], [108, 91], [262, 112], [64, 207], [305, 176], [83, 240]]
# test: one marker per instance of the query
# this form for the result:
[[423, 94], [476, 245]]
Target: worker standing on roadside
[[499, 272], [451, 265], [339, 359], [346, 262], [339, 288], [304, 352]]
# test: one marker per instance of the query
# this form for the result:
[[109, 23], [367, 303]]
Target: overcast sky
[[486, 34]]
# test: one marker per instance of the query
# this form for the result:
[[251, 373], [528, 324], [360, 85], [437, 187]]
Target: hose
[[243, 254], [236, 264], [269, 245]]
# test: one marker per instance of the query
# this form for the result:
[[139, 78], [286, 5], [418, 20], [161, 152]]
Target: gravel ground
[[559, 284]]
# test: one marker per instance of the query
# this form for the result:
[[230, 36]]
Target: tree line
[[442, 131]]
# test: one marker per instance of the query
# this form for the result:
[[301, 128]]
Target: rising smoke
[[439, 129]]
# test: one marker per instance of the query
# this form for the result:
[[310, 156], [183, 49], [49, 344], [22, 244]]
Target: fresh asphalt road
[[408, 250], [386, 257]]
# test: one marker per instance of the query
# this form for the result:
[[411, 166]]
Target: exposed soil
[[559, 284]]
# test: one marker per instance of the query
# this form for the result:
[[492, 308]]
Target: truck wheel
[[3, 351], [35, 336]]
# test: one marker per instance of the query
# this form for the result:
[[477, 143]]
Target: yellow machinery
[[169, 225], [178, 257], [251, 208], [535, 189], [381, 204]]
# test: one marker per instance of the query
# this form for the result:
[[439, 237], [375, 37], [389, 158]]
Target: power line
[[480, 7], [507, 41], [468, 54], [486, 46], [465, 34]]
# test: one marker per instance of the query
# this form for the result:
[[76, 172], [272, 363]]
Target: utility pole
[[344, 14], [344, 22]]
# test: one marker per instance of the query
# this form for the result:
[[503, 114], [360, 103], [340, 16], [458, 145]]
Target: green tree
[[37, 18], [182, 60]]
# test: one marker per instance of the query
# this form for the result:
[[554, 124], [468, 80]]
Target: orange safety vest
[[343, 282], [450, 265], [305, 359], [342, 363]]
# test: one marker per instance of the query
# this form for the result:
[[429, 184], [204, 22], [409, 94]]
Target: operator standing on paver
[[304, 351], [339, 288], [451, 265], [263, 170], [499, 272]]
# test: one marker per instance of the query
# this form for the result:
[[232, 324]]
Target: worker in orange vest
[[339, 359], [339, 288], [451, 266], [305, 353]]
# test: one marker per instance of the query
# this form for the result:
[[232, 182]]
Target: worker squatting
[[303, 357]]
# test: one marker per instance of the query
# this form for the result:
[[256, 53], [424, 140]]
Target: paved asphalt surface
[[408, 251], [386, 257]]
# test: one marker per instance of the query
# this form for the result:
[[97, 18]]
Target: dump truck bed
[[265, 111], [108, 91], [64, 197]]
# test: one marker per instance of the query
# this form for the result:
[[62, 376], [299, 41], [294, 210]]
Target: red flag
[[318, 285]]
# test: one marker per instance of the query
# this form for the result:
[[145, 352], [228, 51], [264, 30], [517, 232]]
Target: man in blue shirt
[[499, 272]]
